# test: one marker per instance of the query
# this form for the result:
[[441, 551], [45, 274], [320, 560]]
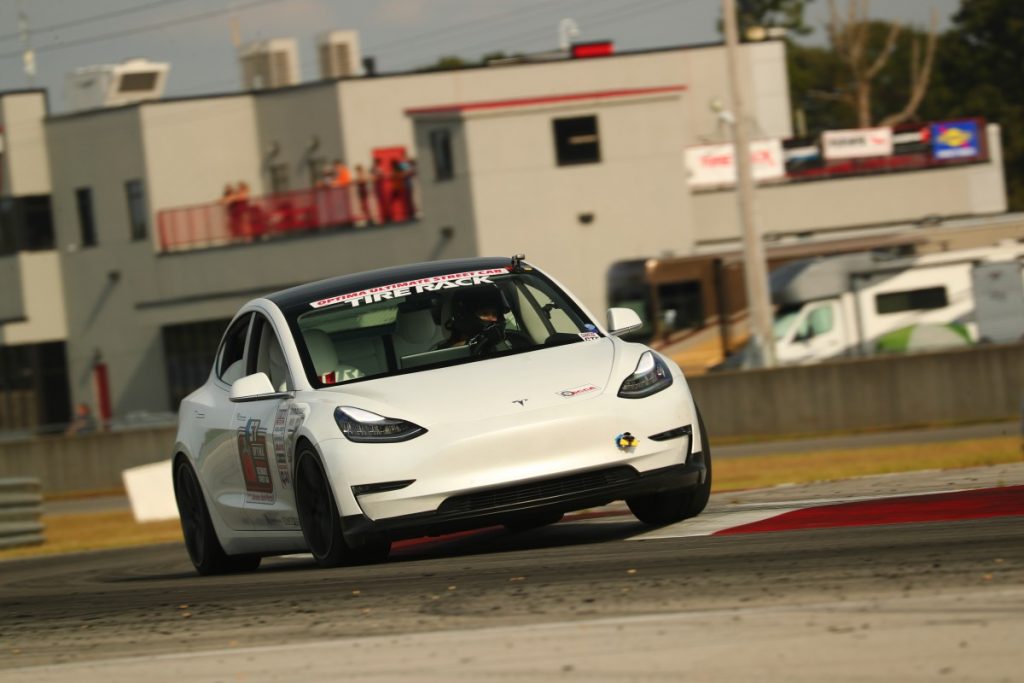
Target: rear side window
[[230, 358], [912, 300]]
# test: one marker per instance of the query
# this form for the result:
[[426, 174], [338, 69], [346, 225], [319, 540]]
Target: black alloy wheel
[[675, 506], [321, 522], [205, 551]]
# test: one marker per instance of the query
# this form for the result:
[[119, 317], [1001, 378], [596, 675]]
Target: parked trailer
[[866, 303]]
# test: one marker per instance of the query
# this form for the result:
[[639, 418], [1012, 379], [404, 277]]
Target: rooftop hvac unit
[[339, 54], [115, 85], [268, 64]]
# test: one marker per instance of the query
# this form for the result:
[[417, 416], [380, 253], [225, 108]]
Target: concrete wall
[[525, 202], [91, 462], [25, 169], [790, 208], [191, 148], [41, 294], [373, 108], [974, 384], [302, 124], [969, 385]]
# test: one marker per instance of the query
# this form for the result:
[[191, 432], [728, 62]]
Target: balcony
[[280, 215]]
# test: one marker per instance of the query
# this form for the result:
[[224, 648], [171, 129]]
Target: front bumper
[[496, 506]]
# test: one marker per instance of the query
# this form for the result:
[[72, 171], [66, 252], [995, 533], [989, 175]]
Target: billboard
[[856, 143], [713, 165], [955, 140]]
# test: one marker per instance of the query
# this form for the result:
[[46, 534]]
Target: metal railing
[[21, 510], [281, 214]]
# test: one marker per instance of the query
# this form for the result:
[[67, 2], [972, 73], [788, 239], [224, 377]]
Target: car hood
[[534, 380]]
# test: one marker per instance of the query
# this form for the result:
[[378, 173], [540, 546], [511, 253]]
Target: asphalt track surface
[[799, 583]]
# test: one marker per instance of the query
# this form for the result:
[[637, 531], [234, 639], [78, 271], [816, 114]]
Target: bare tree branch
[[920, 77]]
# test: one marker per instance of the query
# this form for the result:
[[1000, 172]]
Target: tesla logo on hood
[[521, 401]]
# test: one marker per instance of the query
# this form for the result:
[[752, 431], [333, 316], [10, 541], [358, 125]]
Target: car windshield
[[433, 322]]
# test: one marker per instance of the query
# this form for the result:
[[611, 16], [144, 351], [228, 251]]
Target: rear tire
[[204, 549], [321, 522], [675, 506]]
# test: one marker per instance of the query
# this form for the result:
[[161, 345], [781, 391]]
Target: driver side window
[[818, 321], [230, 365], [266, 355]]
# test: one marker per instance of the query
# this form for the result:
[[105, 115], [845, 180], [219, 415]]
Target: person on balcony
[[363, 193], [381, 184]]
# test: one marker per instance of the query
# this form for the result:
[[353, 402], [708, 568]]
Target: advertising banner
[[856, 143], [712, 165], [955, 140]]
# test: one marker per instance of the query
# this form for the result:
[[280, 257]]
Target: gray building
[[151, 265]]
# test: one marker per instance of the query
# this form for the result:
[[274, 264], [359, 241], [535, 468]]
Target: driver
[[478, 316]]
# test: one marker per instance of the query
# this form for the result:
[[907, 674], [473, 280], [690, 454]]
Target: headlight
[[362, 426], [650, 377]]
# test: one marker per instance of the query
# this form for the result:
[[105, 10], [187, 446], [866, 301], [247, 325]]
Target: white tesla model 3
[[345, 414]]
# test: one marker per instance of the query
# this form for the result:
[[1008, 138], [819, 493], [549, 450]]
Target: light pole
[[759, 305]]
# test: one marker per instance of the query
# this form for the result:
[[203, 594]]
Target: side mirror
[[622, 320], [254, 388]]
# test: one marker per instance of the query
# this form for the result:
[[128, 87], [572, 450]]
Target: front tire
[[321, 521], [204, 549], [674, 506]]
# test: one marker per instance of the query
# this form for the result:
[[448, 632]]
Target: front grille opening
[[540, 491]]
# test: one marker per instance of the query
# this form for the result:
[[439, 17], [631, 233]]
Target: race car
[[346, 414]]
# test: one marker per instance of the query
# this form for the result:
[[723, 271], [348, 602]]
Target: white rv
[[865, 303]]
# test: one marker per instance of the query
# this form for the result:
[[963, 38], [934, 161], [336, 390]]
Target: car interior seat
[[416, 332], [324, 355]]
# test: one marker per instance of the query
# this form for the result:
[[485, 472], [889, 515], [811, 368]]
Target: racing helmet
[[468, 305]]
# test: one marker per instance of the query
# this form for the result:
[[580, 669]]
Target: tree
[[865, 59], [768, 14], [980, 59]]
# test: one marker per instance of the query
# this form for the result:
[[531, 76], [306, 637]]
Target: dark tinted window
[[441, 150], [230, 363], [912, 300], [576, 141], [135, 194], [26, 224], [145, 80], [86, 220]]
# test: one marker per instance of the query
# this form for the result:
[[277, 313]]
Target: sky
[[195, 36]]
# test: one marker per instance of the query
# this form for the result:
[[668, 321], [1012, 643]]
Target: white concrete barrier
[[151, 491]]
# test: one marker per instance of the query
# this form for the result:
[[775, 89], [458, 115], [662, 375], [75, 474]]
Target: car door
[[214, 416], [819, 333], [264, 430]]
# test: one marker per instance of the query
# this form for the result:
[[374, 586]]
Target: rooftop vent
[[115, 85], [339, 54], [269, 64]]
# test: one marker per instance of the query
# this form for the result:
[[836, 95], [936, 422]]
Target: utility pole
[[759, 305], [28, 55]]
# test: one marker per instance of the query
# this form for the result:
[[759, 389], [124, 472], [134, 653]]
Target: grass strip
[[117, 529], [798, 468]]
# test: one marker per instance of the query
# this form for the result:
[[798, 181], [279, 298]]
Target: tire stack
[[21, 509]]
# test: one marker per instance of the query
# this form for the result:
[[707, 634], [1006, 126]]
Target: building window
[[441, 150], [189, 350], [26, 224], [576, 141], [135, 193], [912, 300], [86, 222]]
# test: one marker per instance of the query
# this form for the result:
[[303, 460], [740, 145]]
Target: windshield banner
[[400, 289]]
